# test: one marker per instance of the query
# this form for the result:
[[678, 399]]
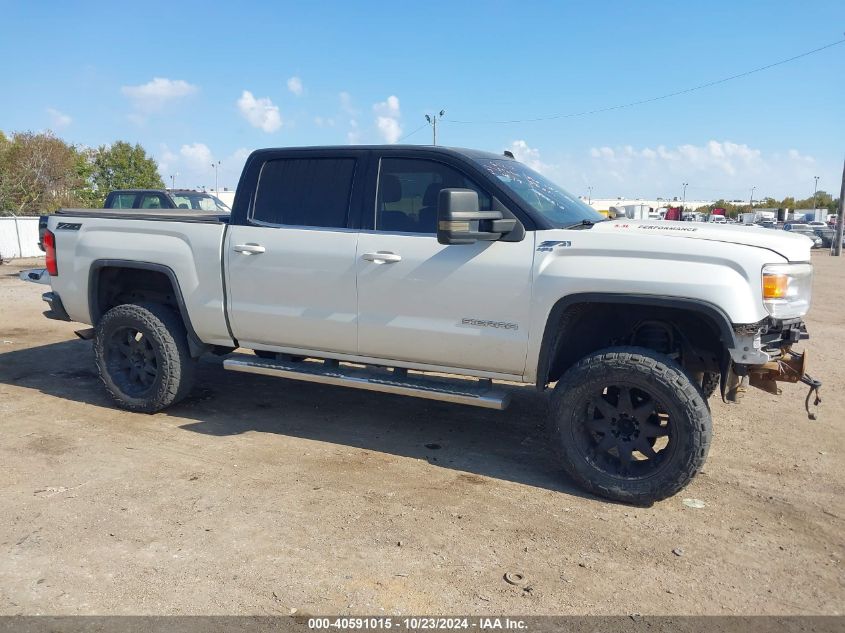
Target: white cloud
[[295, 86], [715, 169], [353, 136], [530, 156], [155, 94], [320, 121], [387, 119], [260, 113], [58, 120], [192, 165], [346, 103], [197, 155]]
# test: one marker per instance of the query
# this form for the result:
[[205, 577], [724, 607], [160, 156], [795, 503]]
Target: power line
[[665, 96], [409, 134]]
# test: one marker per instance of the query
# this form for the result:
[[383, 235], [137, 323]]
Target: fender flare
[[195, 344], [711, 312]]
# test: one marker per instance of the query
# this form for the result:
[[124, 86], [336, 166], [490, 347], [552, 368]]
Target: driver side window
[[408, 189]]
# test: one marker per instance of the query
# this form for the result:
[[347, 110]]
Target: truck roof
[[439, 149]]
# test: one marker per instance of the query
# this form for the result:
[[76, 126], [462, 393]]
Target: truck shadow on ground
[[512, 445]]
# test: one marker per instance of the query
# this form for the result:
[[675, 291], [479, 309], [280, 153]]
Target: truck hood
[[795, 248]]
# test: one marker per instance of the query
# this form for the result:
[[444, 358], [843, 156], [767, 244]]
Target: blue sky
[[199, 82]]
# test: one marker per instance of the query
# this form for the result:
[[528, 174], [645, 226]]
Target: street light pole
[[216, 183], [432, 120], [815, 190], [589, 195], [751, 202], [684, 200]]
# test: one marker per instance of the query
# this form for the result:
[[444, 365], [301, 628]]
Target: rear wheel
[[142, 354], [630, 425]]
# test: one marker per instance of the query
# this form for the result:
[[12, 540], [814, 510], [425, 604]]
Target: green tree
[[123, 166], [39, 173]]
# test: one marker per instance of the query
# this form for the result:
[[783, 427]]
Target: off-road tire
[[163, 328], [710, 383], [640, 371]]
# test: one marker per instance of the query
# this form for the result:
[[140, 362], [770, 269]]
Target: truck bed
[[162, 215]]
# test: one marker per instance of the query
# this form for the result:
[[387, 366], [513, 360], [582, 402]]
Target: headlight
[[787, 289]]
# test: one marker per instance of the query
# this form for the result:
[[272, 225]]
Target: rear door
[[291, 264], [462, 306]]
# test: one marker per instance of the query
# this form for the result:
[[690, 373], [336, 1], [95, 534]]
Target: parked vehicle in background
[[807, 231], [352, 265], [165, 199]]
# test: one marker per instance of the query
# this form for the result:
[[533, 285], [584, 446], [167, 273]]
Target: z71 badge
[[68, 226], [549, 245]]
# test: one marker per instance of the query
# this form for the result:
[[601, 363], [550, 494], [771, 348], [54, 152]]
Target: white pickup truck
[[434, 272]]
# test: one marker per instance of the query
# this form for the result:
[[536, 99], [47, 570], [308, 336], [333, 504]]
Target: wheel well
[[114, 285], [690, 337]]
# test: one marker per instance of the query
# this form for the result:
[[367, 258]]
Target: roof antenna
[[509, 154]]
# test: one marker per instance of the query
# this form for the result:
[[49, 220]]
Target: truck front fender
[[719, 320]]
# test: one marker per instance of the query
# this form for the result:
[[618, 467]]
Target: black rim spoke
[[645, 447], [605, 408], [626, 404], [650, 429]]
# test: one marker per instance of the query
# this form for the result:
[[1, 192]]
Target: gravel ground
[[259, 496]]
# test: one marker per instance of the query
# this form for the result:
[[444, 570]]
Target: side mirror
[[460, 222]]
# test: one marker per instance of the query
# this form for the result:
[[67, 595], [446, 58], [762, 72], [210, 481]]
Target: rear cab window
[[153, 201], [122, 201], [304, 192]]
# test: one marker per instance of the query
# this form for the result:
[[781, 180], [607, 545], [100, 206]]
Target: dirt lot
[[258, 496]]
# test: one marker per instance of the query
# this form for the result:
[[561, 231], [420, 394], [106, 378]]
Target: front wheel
[[630, 425], [143, 357]]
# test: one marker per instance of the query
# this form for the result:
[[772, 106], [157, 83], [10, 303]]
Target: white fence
[[19, 237]]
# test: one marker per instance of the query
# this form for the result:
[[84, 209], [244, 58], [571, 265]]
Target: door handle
[[249, 249], [382, 257]]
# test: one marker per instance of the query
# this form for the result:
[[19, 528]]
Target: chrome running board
[[477, 393]]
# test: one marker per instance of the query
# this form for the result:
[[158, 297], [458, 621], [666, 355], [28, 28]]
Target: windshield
[[200, 202], [559, 207]]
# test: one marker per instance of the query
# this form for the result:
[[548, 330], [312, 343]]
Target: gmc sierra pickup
[[434, 272]]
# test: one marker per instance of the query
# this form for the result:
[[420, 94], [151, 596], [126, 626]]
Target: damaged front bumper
[[764, 357]]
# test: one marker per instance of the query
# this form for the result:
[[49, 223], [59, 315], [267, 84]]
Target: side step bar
[[478, 393]]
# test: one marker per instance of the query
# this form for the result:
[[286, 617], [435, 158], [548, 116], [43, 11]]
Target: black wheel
[[710, 383], [630, 425], [143, 357]]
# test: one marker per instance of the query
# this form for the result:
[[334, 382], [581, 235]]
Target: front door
[[291, 270], [457, 306]]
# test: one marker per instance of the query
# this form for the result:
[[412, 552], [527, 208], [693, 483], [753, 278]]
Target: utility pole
[[684, 203], [216, 183], [432, 121], [173, 180], [837, 245]]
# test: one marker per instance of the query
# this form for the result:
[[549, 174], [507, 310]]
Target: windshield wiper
[[584, 224]]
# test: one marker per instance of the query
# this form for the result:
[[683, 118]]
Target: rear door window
[[312, 192]]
